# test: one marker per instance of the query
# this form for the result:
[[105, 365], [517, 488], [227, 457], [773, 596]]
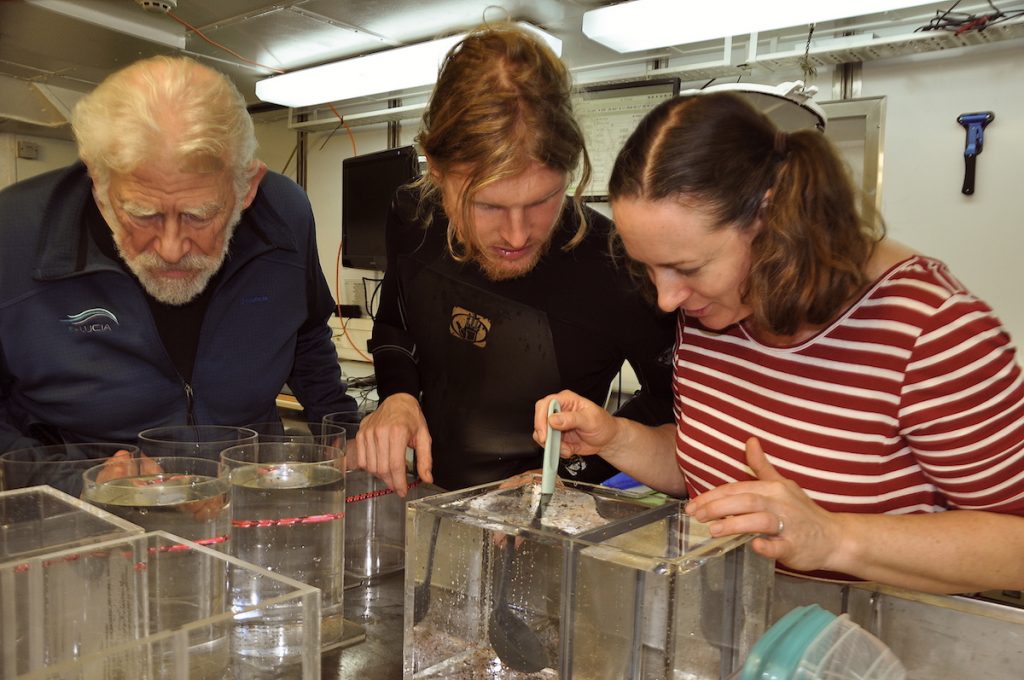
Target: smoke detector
[[161, 6]]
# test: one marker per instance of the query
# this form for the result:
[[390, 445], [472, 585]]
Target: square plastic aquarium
[[153, 606], [597, 585], [41, 519], [667, 601]]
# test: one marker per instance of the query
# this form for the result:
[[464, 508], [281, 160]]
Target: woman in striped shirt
[[835, 391]]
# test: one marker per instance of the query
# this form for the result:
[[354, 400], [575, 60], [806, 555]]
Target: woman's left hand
[[795, 530]]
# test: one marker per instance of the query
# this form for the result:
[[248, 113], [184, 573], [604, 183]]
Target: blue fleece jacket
[[80, 356]]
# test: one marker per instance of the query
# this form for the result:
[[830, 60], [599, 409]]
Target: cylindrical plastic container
[[810, 643], [845, 651]]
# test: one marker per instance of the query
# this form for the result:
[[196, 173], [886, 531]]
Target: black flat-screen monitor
[[367, 184]]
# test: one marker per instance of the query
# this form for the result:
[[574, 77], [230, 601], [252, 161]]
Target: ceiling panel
[[38, 45], [287, 39], [415, 21], [284, 34], [52, 46]]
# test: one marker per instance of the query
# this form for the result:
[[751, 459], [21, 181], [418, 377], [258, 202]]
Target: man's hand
[[122, 464], [384, 435]]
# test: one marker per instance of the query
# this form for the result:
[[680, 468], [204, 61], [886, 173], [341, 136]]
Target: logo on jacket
[[95, 320], [469, 326]]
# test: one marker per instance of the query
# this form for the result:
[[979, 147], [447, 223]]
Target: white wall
[[276, 142], [981, 236], [326, 151], [53, 154]]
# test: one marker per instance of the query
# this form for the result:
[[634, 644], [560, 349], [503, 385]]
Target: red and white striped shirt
[[912, 401]]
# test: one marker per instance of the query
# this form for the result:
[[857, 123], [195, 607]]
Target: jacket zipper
[[190, 403]]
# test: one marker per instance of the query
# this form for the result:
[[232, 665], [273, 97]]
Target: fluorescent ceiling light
[[386, 71], [129, 19], [652, 24]]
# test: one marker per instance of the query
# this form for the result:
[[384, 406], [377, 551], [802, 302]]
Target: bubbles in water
[[282, 477]]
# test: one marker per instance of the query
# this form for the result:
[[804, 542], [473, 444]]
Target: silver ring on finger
[[781, 527]]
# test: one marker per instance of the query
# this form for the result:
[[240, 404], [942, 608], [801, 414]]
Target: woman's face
[[696, 269]]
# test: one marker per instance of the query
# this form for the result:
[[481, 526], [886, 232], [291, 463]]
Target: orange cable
[[337, 261], [219, 46], [351, 136], [337, 295]]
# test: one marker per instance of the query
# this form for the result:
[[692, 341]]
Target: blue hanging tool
[[975, 124]]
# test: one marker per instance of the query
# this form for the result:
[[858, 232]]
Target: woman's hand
[[645, 453], [586, 427], [796, 531]]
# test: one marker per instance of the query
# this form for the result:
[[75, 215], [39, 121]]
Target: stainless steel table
[[378, 606]]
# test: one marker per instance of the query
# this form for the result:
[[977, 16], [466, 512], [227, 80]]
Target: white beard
[[147, 266], [173, 291]]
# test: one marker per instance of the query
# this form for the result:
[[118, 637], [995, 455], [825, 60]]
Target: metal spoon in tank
[[421, 594], [515, 643]]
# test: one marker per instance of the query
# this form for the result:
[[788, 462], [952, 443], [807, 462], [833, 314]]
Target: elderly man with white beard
[[168, 278]]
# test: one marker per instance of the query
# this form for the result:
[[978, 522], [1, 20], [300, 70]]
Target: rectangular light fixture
[[386, 71], [122, 17], [653, 24]]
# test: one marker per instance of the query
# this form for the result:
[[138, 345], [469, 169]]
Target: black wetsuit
[[479, 353]]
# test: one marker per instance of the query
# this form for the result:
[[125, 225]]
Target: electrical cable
[[337, 261], [221, 47], [337, 296], [295, 150], [942, 17], [330, 135], [371, 304], [351, 137], [962, 22], [805, 61], [374, 299], [366, 302]]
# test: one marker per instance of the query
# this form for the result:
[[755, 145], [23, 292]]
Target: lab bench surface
[[378, 606]]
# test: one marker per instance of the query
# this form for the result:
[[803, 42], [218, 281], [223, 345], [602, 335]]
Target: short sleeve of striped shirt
[[962, 401]]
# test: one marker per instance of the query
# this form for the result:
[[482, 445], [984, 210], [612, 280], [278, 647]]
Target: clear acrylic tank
[[41, 519], [603, 585], [666, 601], [96, 612]]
